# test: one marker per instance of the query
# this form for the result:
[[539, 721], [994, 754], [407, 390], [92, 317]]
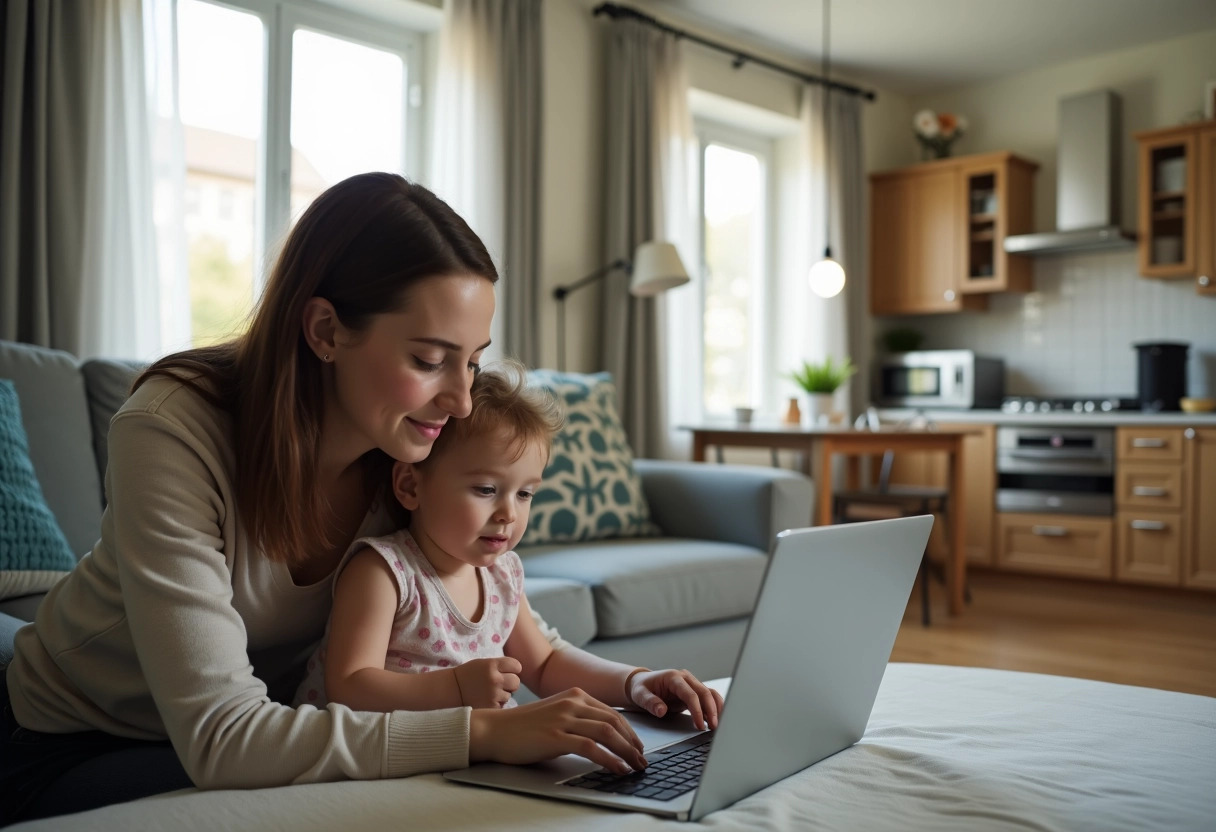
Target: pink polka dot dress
[[429, 632]]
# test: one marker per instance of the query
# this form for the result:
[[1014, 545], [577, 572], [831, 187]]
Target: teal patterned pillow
[[33, 550], [591, 490]]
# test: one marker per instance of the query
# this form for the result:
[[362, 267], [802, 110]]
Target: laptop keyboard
[[670, 773]]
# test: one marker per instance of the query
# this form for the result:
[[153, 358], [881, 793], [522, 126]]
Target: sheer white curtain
[[486, 162], [810, 327], [121, 300], [680, 310]]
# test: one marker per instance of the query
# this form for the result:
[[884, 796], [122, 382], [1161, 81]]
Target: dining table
[[820, 444]]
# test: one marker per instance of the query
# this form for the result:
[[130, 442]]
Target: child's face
[[472, 501]]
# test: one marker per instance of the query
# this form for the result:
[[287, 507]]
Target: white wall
[[1073, 334]]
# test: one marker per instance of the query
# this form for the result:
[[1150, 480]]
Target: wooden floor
[[1111, 632]]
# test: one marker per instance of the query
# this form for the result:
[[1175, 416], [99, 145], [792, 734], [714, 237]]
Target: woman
[[238, 476]]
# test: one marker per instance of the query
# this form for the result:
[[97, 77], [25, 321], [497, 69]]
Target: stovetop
[[1068, 404]]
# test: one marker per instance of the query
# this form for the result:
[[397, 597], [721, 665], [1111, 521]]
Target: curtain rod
[[617, 12]]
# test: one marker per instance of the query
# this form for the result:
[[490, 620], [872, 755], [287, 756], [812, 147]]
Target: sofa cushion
[[108, 384], [565, 605], [56, 416], [642, 585], [23, 607], [33, 551], [591, 490]]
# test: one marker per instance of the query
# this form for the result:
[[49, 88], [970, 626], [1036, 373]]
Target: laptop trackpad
[[656, 733]]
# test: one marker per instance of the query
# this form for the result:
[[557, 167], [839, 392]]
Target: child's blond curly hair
[[505, 405]]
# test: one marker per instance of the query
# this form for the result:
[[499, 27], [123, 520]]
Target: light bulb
[[826, 278]]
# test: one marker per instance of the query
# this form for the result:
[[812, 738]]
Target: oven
[[1055, 470]]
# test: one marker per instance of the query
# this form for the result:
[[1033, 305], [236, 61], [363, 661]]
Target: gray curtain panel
[[847, 201], [522, 69], [44, 56], [643, 63]]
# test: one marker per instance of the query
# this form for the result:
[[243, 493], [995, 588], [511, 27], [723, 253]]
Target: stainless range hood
[[1087, 181]]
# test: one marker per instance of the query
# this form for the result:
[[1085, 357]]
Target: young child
[[434, 616]]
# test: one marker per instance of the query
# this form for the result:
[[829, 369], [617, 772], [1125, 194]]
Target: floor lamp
[[656, 267]]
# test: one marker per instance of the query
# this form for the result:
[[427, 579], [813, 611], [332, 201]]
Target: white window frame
[[280, 20], [763, 346]]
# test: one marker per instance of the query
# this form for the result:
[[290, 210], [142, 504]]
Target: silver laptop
[[803, 687]]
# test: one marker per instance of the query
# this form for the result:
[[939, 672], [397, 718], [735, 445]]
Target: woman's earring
[[325, 358]]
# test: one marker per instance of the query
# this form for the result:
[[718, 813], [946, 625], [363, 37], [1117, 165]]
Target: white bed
[[946, 748]]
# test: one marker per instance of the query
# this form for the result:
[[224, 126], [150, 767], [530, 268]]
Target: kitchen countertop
[[1057, 417]]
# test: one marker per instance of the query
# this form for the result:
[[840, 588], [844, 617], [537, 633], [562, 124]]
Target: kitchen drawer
[[1148, 547], [1057, 544], [1145, 444], [1148, 485]]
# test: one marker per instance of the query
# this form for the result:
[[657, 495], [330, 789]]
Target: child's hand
[[655, 691], [488, 683]]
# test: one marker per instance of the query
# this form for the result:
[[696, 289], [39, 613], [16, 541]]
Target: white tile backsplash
[[1073, 334]]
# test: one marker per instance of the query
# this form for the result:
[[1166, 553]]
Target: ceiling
[[917, 47]]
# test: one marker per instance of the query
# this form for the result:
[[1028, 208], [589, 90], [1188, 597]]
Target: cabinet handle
[[1049, 531], [1149, 525], [1141, 442], [1189, 433], [1204, 280], [948, 295], [1148, 491]]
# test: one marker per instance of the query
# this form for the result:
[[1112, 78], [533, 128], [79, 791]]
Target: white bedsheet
[[946, 748]]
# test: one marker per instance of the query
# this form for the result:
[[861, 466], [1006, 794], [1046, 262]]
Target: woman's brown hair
[[361, 245]]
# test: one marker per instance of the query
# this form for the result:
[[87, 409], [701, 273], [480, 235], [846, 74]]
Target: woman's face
[[397, 383]]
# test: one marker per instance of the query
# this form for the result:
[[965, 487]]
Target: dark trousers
[[43, 775]]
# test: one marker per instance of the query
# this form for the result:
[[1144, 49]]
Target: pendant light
[[827, 276]]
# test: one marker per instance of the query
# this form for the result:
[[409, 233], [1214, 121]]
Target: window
[[736, 194], [279, 100]]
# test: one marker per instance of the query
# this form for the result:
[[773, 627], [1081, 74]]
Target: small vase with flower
[[936, 132]]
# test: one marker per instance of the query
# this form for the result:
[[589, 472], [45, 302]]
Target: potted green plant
[[820, 381]]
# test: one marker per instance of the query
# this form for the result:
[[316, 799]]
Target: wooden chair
[[885, 501]]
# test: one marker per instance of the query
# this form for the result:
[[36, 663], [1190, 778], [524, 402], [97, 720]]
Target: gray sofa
[[681, 599]]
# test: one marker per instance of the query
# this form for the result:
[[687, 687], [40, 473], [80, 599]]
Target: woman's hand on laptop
[[571, 722], [656, 691]]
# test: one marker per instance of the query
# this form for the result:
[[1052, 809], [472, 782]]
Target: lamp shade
[[826, 278], [656, 268]]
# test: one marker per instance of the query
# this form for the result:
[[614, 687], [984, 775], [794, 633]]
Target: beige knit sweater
[[170, 625]]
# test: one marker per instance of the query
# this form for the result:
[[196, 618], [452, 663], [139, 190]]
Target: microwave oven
[[953, 379]]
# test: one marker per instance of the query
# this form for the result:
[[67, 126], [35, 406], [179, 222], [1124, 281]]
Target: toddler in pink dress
[[429, 630], [435, 615]]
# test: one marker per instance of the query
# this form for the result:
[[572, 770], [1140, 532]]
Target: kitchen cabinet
[[1177, 208], [1165, 495], [937, 233], [1205, 258], [1199, 519], [979, 484], [1054, 544], [998, 192]]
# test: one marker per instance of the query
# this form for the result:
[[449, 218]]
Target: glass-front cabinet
[[998, 194], [1177, 204]]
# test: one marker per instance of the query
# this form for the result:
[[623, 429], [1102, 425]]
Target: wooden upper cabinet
[[998, 196], [1168, 210], [937, 233], [933, 237], [888, 224], [1177, 209], [1205, 234]]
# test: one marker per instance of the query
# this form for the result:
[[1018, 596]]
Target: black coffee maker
[[1161, 375]]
